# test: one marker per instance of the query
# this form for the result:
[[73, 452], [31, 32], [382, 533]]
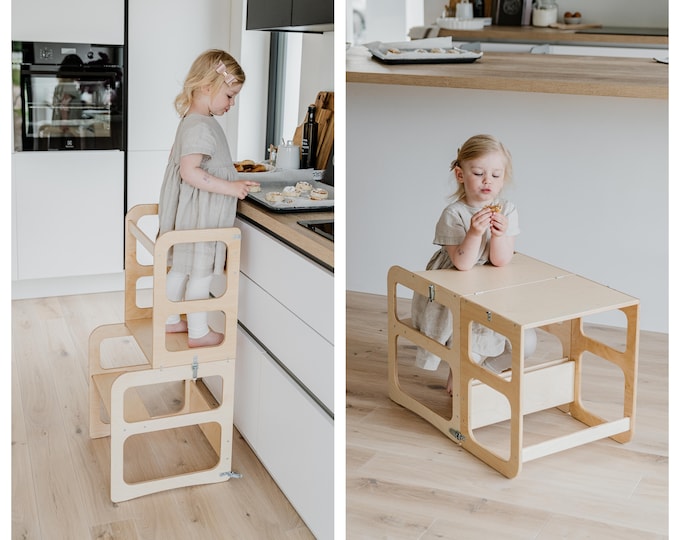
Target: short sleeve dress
[[432, 318], [182, 206]]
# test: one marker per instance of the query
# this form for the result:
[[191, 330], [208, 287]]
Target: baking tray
[[423, 51], [293, 204]]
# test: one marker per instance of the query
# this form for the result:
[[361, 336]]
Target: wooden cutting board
[[324, 118], [565, 26]]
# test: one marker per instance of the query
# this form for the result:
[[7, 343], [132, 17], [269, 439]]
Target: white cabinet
[[284, 372], [304, 287], [626, 52], [68, 213], [290, 434], [574, 50], [70, 21]]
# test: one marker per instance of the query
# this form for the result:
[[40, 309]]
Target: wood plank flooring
[[60, 477], [406, 480]]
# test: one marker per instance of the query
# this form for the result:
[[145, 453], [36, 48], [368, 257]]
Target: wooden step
[[134, 406]]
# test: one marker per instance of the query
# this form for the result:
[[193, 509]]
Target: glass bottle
[[310, 132]]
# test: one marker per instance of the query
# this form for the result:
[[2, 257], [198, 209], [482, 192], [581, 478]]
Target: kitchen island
[[546, 73], [284, 397], [589, 140]]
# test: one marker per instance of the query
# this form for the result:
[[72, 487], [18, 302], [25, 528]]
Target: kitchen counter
[[285, 227], [534, 34], [521, 72]]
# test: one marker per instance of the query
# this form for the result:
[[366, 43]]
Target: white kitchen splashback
[[72, 21]]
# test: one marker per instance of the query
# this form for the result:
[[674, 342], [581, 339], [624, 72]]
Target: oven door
[[68, 108]]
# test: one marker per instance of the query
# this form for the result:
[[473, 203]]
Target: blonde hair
[[203, 72], [474, 147]]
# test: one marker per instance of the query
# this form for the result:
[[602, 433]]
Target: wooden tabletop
[[285, 226], [522, 72], [534, 34]]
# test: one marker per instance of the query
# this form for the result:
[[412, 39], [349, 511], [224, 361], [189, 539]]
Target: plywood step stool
[[114, 389], [525, 294]]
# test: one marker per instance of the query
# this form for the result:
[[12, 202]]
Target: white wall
[[317, 72], [652, 13], [153, 120], [155, 78], [591, 180]]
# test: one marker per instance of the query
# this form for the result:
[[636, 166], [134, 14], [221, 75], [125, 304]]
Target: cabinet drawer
[[303, 351], [303, 287], [290, 434], [247, 386]]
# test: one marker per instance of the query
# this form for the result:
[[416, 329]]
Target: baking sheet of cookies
[[422, 51], [294, 204]]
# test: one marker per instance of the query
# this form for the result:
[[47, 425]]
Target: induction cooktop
[[323, 227]]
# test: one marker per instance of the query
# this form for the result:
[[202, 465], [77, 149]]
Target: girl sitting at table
[[477, 227]]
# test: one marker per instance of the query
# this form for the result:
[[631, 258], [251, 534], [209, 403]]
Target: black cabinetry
[[290, 15]]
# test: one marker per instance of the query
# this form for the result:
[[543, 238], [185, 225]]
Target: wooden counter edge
[[362, 68], [536, 35]]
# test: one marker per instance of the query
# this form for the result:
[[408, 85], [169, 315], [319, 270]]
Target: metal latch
[[430, 293], [194, 369], [457, 434], [231, 474]]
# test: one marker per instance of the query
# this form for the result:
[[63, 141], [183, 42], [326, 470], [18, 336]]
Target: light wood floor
[[60, 477], [406, 480]]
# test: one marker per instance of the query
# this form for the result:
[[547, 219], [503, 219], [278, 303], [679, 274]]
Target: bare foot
[[176, 328], [210, 339], [449, 383]]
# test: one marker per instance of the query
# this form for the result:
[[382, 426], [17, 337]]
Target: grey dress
[[435, 320], [182, 206]]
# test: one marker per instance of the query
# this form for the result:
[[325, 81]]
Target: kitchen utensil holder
[[524, 294], [114, 387]]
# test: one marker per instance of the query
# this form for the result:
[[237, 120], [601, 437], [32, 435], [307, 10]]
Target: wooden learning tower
[[526, 294], [115, 387]]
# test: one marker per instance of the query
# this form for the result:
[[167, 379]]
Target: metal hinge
[[457, 434], [430, 293], [194, 369], [231, 474]]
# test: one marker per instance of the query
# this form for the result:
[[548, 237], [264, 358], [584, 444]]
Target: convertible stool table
[[116, 387], [525, 294]]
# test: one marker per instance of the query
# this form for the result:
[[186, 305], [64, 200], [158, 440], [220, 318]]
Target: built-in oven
[[68, 96]]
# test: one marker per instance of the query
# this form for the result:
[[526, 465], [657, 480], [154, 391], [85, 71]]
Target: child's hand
[[499, 224], [481, 221], [241, 187]]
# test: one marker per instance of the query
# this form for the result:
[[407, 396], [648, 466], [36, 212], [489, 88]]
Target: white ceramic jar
[[288, 156], [464, 11], [544, 16]]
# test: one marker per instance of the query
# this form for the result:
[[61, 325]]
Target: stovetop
[[322, 227]]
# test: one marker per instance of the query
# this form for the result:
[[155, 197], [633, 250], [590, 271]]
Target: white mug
[[288, 156]]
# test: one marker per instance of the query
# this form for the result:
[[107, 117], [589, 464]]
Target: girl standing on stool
[[475, 228], [200, 190]]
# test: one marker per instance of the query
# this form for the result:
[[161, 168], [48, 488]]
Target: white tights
[[179, 287]]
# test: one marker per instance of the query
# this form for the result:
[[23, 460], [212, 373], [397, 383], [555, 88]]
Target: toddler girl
[[477, 227], [200, 190]]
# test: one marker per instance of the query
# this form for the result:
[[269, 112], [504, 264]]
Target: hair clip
[[222, 70]]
